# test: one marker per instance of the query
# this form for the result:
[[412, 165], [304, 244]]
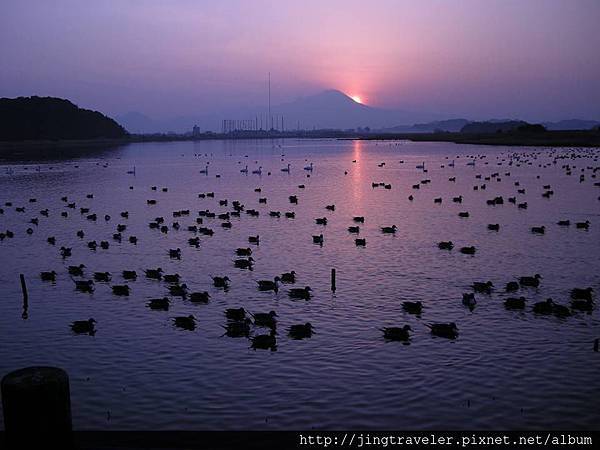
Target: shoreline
[[579, 138]]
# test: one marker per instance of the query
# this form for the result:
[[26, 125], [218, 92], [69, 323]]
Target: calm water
[[507, 369]]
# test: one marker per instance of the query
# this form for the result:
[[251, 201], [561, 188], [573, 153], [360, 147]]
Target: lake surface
[[506, 370]]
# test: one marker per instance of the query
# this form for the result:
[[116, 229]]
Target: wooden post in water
[[37, 404], [25, 297], [596, 344], [333, 280]]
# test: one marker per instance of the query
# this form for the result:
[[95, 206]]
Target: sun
[[356, 98]]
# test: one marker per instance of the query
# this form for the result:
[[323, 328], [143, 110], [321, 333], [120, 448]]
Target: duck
[[321, 220], [330, 207], [290, 215], [161, 304], [265, 319], [84, 285], [582, 293], [293, 199], [396, 333], [244, 170], [413, 307], [171, 278], [92, 245], [286, 169], [288, 277], [102, 276], [544, 307], [104, 245], [301, 331], [512, 286], [265, 341], [235, 314], [583, 225], [468, 299], [309, 167], [445, 245], [268, 285], [318, 239], [354, 229], [84, 326], [463, 214], [175, 253], [359, 219], [582, 305], [258, 171], [391, 229], [493, 227], [80, 234], [254, 239], [48, 276], [446, 330], [76, 270], [538, 230], [560, 310], [200, 297], [564, 223], [468, 250], [155, 274], [243, 251], [194, 242], [514, 303], [129, 274], [484, 287], [300, 293], [533, 281], [185, 322], [205, 170], [133, 239], [238, 328], [178, 290], [360, 242], [121, 289], [221, 282], [244, 263]]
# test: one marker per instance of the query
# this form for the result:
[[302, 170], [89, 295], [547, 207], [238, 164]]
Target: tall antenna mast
[[270, 94]]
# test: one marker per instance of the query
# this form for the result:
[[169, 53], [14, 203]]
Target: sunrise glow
[[356, 98]]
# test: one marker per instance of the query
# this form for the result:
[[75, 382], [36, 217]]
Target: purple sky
[[531, 59]]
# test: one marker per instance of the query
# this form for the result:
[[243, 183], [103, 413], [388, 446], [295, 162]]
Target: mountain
[[571, 124], [492, 126], [138, 123], [450, 125], [50, 118], [334, 109]]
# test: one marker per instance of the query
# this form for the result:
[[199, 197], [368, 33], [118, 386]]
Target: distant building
[[196, 130]]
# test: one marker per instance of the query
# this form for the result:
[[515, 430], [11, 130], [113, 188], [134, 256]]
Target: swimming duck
[[275, 213], [288, 277], [155, 274], [468, 299], [133, 239], [185, 322], [360, 242], [582, 305], [254, 239], [330, 207], [514, 303], [243, 251], [354, 229], [244, 263], [268, 285], [104, 245], [463, 214], [175, 253], [178, 290], [544, 307], [538, 230], [200, 297], [512, 286], [293, 199], [483, 287], [84, 285], [159, 304], [129, 274], [560, 310], [583, 225], [84, 326], [101, 276], [92, 245], [290, 215], [121, 289], [321, 220], [533, 281], [48, 276], [300, 293], [445, 245], [391, 229], [221, 282], [318, 239], [582, 294], [493, 227], [309, 167], [265, 341], [265, 319], [238, 329], [171, 278], [359, 219], [397, 333], [194, 242], [76, 270], [468, 250], [301, 331], [80, 234], [412, 307], [446, 330], [236, 314]]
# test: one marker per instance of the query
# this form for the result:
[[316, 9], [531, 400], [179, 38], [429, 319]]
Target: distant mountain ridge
[[50, 118]]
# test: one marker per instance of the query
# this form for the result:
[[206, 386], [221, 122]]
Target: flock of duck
[[261, 327]]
